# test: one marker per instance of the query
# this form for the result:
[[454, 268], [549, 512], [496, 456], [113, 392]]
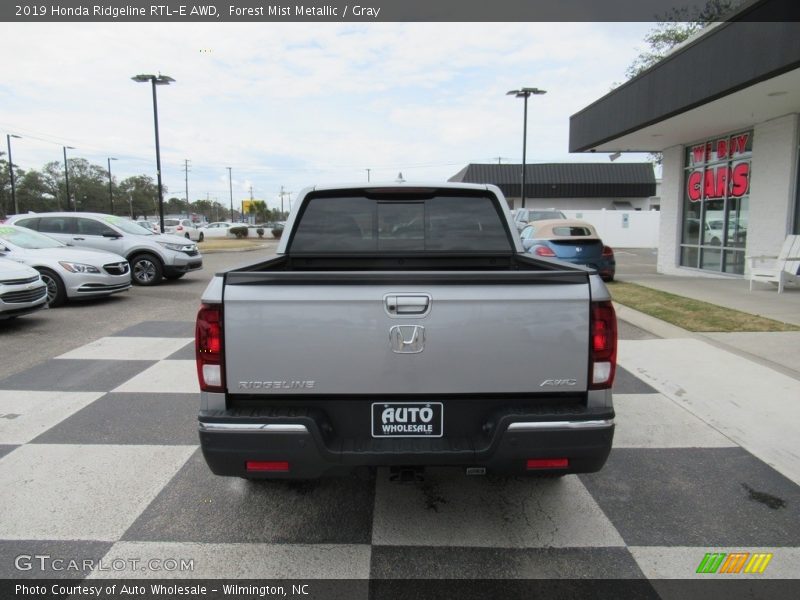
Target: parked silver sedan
[[21, 290], [69, 273]]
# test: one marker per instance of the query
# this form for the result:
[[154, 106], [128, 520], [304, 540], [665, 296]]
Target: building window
[[716, 203]]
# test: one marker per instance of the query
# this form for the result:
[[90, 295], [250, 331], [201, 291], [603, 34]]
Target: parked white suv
[[184, 228], [151, 256]]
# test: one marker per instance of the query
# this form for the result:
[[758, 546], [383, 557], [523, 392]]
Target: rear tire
[[146, 270], [200, 239], [56, 292]]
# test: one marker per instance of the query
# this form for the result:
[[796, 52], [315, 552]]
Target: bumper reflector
[[548, 463], [274, 466]]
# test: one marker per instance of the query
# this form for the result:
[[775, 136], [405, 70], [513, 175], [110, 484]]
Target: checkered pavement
[[99, 459]]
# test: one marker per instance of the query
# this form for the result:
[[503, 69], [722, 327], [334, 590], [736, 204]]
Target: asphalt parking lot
[[99, 461]]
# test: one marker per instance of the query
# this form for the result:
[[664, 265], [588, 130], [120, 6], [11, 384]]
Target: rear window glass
[[366, 225], [572, 231]]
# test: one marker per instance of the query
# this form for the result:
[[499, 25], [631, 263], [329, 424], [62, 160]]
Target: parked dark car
[[572, 241]]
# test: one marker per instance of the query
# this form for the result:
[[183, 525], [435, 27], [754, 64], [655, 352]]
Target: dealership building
[[570, 186], [724, 110]]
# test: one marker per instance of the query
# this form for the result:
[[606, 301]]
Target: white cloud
[[296, 104]]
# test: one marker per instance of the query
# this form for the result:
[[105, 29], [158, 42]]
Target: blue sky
[[296, 104]]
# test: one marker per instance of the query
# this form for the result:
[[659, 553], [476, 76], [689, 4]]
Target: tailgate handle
[[407, 305]]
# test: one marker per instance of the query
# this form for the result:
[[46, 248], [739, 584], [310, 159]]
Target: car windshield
[[127, 226], [27, 238]]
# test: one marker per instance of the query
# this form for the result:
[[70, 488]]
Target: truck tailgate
[[465, 333]]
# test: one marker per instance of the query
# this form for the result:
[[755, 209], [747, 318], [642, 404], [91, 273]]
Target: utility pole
[[230, 184], [250, 206], [281, 194], [186, 177], [499, 158], [368, 170]]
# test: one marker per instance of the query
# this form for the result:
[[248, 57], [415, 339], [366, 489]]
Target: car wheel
[[186, 235], [200, 239], [56, 292], [145, 270]]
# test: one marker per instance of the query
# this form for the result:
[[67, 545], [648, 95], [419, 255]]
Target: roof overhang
[[761, 102], [734, 75]]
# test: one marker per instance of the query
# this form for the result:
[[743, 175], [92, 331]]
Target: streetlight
[[156, 80], [66, 172], [110, 185], [11, 171], [230, 185], [524, 93]]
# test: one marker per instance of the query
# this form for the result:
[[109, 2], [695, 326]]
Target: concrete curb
[[246, 249], [665, 330], [650, 324]]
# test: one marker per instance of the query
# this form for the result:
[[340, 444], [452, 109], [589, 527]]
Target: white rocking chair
[[781, 269]]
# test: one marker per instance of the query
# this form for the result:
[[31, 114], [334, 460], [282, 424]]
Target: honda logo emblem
[[407, 339]]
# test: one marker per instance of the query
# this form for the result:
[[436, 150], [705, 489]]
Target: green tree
[[260, 209], [6, 202], [203, 207], [141, 195], [35, 193], [675, 27], [88, 186]]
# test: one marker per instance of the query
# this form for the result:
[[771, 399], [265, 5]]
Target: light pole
[[524, 93], [110, 185], [230, 185], [66, 172], [156, 80], [11, 171]]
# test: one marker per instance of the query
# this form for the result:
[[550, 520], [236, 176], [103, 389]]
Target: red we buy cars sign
[[730, 176]]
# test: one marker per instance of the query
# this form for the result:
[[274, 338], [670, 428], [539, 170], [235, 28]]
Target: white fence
[[622, 228]]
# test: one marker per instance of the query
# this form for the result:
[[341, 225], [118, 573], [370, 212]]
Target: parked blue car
[[571, 241]]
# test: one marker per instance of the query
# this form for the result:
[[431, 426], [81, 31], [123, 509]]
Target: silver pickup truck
[[404, 326]]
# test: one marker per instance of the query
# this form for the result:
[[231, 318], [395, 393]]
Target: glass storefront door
[[716, 203]]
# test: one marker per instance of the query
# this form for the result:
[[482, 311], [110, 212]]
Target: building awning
[[565, 180], [736, 74]]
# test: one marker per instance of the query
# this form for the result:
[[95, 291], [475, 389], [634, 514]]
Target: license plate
[[407, 419]]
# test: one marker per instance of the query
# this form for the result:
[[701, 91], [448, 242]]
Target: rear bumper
[[229, 441]]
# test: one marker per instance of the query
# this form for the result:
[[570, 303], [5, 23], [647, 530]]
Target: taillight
[[543, 251], [603, 359], [208, 348], [608, 252], [179, 228]]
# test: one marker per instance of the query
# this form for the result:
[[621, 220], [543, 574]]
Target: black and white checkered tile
[[99, 460]]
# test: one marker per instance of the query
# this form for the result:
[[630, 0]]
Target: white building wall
[[772, 184], [578, 203], [671, 195], [622, 228]]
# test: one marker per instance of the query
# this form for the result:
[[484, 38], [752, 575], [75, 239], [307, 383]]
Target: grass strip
[[232, 244], [689, 314]]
